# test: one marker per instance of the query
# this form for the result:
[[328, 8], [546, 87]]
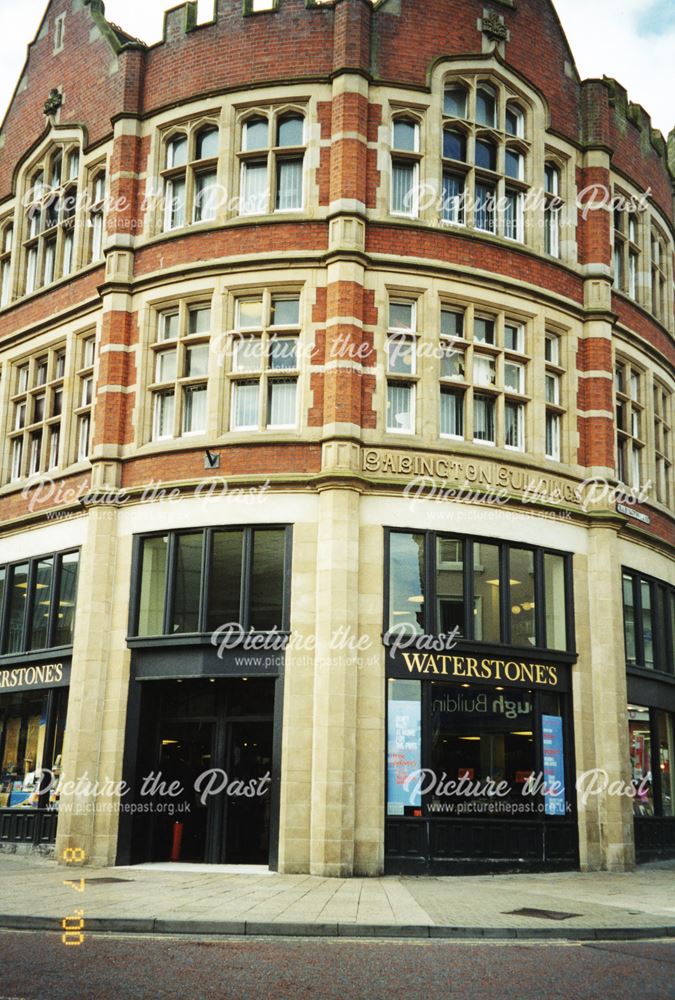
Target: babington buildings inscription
[[448, 477]]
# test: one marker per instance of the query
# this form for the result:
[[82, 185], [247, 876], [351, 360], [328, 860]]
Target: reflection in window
[[186, 583], [647, 624], [246, 580], [486, 590], [450, 585], [640, 759], [665, 730], [28, 747], [629, 618], [480, 733], [153, 584], [555, 601], [18, 599], [65, 607], [267, 579], [225, 579], [406, 583], [43, 600], [522, 596]]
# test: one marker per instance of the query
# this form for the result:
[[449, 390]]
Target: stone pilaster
[[600, 700], [335, 686], [94, 738]]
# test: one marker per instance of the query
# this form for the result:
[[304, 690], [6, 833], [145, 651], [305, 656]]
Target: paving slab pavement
[[218, 899]]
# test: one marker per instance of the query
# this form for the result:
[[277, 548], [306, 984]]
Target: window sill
[[463, 646], [651, 673], [35, 656], [202, 639]]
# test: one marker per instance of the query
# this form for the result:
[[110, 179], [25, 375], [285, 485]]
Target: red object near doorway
[[177, 841]]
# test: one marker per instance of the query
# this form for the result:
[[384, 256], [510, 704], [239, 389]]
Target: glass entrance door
[[214, 739], [186, 751], [249, 760]]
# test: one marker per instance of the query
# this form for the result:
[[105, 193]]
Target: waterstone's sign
[[32, 676], [480, 670]]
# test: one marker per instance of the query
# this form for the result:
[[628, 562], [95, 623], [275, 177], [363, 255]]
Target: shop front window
[[406, 583], [212, 578], [225, 578], [648, 622], [40, 599], [486, 587], [482, 735], [521, 568], [404, 746], [641, 760], [30, 748], [18, 594], [43, 600], [490, 592], [187, 583], [665, 728], [450, 585]]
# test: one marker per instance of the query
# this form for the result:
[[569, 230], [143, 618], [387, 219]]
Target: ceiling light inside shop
[[525, 732], [416, 599]]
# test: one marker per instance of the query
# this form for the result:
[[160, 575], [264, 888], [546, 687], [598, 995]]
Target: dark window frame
[[467, 639], [662, 630], [203, 634], [26, 651]]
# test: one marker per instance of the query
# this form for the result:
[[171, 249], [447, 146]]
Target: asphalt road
[[37, 966]]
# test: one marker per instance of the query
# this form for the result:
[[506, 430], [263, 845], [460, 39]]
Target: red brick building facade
[[344, 307]]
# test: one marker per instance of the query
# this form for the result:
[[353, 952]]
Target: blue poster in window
[[404, 754], [554, 765]]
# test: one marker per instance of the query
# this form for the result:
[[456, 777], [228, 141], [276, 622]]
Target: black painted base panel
[[28, 826], [654, 838], [466, 846]]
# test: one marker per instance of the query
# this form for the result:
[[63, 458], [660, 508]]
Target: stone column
[[94, 738], [335, 685], [600, 698]]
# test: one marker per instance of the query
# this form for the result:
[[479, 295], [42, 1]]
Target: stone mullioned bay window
[[259, 358], [485, 150], [630, 422], [50, 414], [271, 161], [485, 375], [663, 443], [661, 271], [6, 247], [626, 250], [179, 368], [37, 413], [61, 226], [49, 227], [190, 174], [264, 359]]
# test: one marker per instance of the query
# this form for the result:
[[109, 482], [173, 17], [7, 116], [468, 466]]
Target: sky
[[631, 40]]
